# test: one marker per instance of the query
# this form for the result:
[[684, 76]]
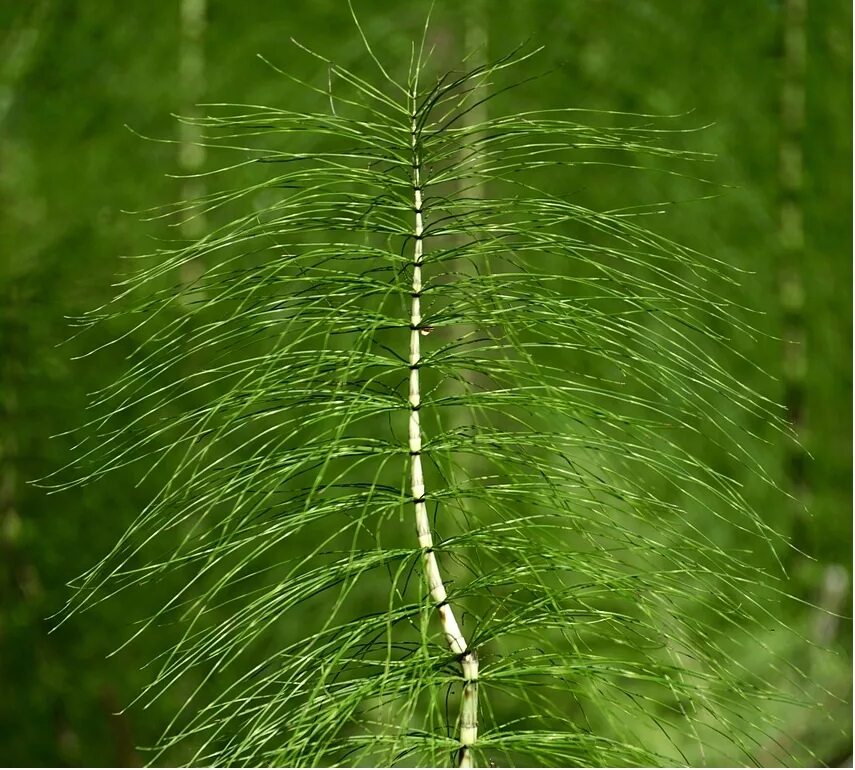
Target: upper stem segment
[[456, 641]]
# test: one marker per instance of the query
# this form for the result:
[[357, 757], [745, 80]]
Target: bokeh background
[[770, 78]]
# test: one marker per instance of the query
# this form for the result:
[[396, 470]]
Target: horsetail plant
[[588, 572], [468, 657]]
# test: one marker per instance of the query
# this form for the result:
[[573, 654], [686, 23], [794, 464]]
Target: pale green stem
[[450, 626], [191, 151], [792, 237]]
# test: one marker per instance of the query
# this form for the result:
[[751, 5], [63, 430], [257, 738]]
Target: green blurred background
[[770, 77]]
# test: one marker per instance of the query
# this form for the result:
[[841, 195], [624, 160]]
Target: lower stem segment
[[456, 641]]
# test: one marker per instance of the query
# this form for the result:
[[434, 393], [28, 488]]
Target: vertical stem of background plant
[[834, 584], [456, 641], [191, 78], [792, 238], [191, 152], [475, 41]]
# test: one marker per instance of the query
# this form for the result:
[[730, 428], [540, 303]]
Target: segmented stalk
[[792, 240], [456, 641]]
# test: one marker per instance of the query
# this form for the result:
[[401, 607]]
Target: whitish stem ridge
[[456, 641]]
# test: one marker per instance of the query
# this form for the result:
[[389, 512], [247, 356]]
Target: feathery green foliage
[[565, 353]]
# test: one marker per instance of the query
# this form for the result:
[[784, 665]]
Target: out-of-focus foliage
[[73, 73]]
